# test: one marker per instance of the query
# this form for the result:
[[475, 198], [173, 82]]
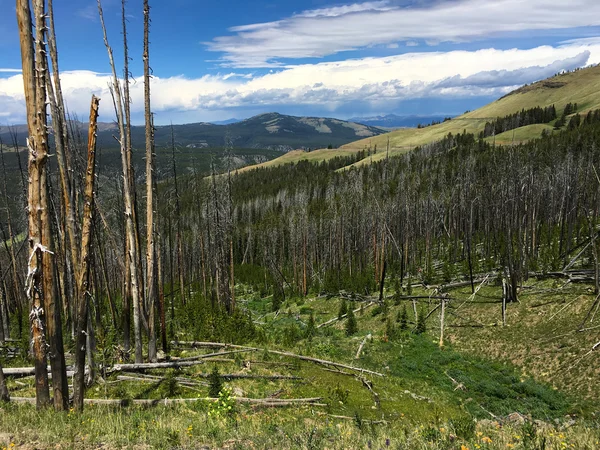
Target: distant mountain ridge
[[271, 131], [397, 121]]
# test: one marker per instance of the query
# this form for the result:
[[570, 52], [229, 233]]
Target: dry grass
[[581, 87]]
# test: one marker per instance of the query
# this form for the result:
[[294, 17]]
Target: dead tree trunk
[[44, 317], [132, 248], [4, 395], [84, 272], [150, 247]]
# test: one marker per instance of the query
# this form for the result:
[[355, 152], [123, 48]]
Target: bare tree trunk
[[161, 299], [443, 316], [38, 154], [150, 247], [4, 395], [132, 248], [84, 272]]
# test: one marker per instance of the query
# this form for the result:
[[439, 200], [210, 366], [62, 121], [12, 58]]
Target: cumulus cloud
[[326, 86], [322, 32]]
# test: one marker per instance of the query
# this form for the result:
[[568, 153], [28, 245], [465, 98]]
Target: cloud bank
[[368, 82]]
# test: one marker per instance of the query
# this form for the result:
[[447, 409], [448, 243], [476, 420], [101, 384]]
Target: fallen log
[[335, 319], [227, 376], [374, 422], [362, 344], [26, 371], [149, 366], [196, 344], [159, 379], [210, 355], [172, 401]]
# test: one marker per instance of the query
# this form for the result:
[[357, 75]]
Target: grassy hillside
[[581, 87], [428, 397]]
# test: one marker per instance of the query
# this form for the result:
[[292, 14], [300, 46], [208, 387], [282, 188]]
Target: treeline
[[434, 122], [519, 119]]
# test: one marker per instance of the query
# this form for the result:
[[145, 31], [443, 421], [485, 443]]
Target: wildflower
[[464, 447], [486, 440]]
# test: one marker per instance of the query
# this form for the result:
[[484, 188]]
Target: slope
[[581, 87], [270, 131]]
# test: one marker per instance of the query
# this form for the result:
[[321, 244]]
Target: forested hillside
[[579, 88], [435, 288]]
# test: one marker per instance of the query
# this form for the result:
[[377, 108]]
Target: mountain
[[581, 86], [226, 122], [271, 131], [396, 121]]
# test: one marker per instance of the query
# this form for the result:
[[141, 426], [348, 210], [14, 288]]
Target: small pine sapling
[[215, 383], [351, 325]]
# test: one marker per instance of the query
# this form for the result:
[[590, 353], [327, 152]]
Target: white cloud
[[10, 70], [381, 82], [346, 9], [322, 32]]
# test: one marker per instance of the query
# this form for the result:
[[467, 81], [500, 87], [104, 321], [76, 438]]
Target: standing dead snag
[[45, 318], [151, 287], [4, 394], [130, 228], [84, 272]]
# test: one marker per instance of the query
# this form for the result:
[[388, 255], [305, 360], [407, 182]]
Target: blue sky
[[215, 60]]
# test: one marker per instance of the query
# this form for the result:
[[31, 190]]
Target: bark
[[4, 395], [150, 247], [132, 248], [195, 344], [443, 316], [33, 81], [84, 271], [272, 402]]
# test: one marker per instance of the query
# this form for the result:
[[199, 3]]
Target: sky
[[215, 60]]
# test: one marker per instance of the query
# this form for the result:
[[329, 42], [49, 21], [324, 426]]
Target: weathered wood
[[274, 402], [362, 344], [149, 366], [375, 422], [226, 376], [159, 380], [281, 353], [26, 371], [84, 270], [211, 355], [4, 395], [442, 318], [335, 319]]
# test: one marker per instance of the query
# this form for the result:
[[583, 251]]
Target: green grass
[[418, 400], [581, 87], [521, 134]]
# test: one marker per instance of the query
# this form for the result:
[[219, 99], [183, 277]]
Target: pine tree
[[403, 318], [421, 328], [390, 331], [216, 383], [351, 325]]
